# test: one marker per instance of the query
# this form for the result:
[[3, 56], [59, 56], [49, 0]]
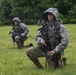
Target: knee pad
[[17, 38]]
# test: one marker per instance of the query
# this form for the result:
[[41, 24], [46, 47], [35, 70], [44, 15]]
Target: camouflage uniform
[[57, 37], [16, 32]]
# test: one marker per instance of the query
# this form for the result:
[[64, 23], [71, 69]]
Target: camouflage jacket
[[61, 35], [63, 42], [22, 28]]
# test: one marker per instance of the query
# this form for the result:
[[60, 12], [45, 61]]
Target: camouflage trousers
[[20, 41], [34, 52]]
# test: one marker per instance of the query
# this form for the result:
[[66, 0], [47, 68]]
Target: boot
[[37, 63], [22, 43], [60, 63], [64, 61], [29, 45]]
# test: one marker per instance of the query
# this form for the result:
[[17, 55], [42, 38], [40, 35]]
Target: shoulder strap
[[57, 26]]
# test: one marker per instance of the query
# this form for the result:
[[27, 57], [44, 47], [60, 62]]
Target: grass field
[[15, 62]]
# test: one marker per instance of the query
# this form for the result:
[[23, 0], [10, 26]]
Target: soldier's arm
[[13, 38], [11, 30], [26, 30], [38, 37], [24, 27], [64, 39]]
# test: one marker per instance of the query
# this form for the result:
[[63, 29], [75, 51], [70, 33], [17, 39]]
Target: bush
[[73, 21], [30, 21]]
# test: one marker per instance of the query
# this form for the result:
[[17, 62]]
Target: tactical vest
[[51, 35], [18, 29]]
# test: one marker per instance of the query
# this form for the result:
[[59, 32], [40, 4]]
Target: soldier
[[19, 32], [52, 39]]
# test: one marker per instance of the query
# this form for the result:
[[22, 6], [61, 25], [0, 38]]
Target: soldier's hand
[[51, 52], [43, 42]]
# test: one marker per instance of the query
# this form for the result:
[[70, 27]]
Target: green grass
[[15, 62]]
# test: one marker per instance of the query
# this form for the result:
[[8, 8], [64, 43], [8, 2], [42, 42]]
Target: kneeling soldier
[[19, 32], [52, 39]]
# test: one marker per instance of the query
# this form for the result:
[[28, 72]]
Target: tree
[[72, 14], [30, 11], [5, 11]]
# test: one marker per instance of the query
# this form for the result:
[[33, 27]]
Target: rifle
[[44, 30], [11, 31]]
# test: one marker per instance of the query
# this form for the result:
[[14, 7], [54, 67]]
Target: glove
[[51, 53]]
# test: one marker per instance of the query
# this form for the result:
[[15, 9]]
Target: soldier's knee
[[28, 52], [17, 37]]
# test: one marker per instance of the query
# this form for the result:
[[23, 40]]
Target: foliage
[[30, 11]]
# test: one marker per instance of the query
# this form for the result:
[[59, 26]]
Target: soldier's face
[[50, 17], [15, 23]]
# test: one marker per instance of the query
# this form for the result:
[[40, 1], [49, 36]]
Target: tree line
[[30, 11]]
